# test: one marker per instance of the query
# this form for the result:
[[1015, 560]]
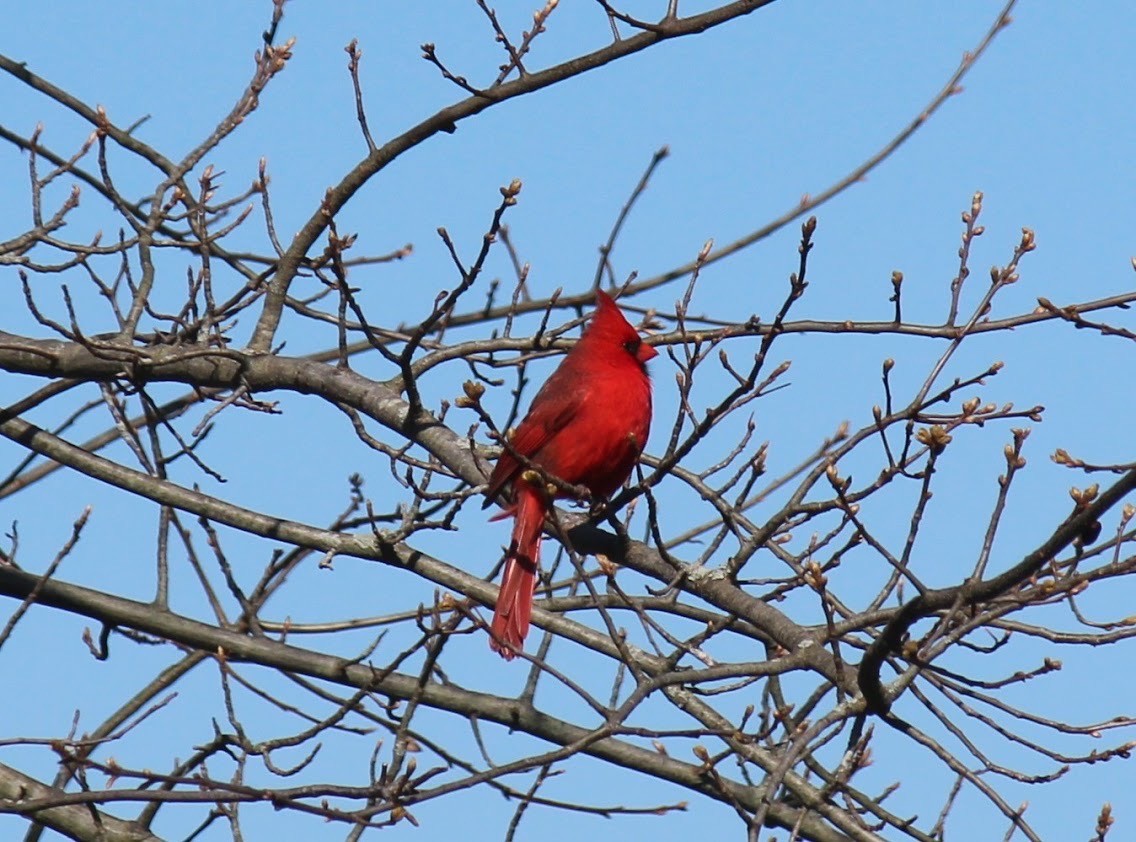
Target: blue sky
[[756, 114]]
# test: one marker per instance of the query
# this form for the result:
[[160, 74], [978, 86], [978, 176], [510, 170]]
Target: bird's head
[[609, 326]]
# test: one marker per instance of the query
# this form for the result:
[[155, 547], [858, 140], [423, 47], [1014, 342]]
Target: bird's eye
[[632, 346]]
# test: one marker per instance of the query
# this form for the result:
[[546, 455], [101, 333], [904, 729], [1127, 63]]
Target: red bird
[[587, 426]]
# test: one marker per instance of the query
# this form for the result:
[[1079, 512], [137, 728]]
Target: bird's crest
[[608, 319]]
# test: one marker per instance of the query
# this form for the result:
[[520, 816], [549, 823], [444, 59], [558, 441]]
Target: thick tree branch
[[76, 821], [445, 121], [516, 714], [972, 593]]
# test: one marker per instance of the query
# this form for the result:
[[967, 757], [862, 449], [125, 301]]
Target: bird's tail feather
[[514, 602]]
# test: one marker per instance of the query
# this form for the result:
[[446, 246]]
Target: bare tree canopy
[[868, 580]]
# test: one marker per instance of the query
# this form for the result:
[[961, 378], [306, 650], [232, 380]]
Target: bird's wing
[[544, 421]]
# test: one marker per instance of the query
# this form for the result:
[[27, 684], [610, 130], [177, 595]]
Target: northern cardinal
[[587, 426]]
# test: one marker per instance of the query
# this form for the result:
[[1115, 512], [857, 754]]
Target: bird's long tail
[[514, 602]]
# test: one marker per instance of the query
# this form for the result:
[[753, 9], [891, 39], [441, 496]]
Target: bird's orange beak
[[646, 352]]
